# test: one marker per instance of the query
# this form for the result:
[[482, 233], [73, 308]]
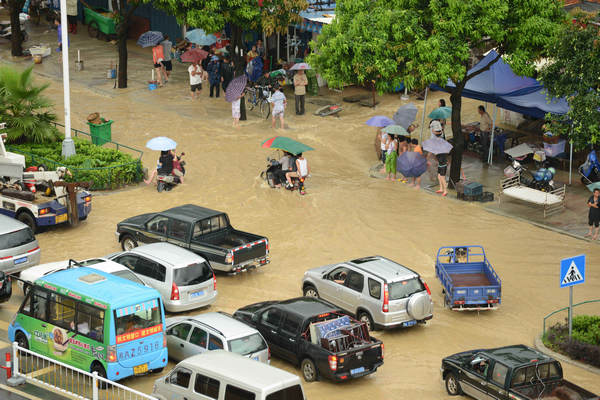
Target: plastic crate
[[554, 149], [473, 189], [101, 133]]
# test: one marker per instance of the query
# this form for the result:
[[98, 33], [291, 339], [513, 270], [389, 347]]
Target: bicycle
[[258, 98]]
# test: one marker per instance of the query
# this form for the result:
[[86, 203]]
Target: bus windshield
[[138, 317]]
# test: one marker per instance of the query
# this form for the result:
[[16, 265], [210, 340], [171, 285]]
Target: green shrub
[[584, 344]]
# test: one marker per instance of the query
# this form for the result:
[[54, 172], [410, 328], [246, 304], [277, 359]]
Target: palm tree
[[26, 112]]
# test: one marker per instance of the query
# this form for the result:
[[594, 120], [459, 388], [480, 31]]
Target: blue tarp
[[534, 104]]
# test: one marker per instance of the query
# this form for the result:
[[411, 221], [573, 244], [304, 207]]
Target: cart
[[99, 21]]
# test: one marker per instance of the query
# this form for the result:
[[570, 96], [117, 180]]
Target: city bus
[[93, 321]]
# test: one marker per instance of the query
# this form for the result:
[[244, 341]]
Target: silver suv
[[380, 292], [19, 249]]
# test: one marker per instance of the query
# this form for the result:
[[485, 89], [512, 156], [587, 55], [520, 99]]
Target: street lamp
[[68, 146]]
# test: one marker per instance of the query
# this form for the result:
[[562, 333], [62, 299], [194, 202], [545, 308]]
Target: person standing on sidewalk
[[594, 214], [214, 75], [300, 82]]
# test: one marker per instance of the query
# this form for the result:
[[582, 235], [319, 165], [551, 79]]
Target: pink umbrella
[[194, 55], [299, 66]]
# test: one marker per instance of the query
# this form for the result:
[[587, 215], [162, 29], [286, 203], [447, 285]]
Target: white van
[[221, 375]]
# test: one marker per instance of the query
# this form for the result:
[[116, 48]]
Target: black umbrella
[[236, 88]]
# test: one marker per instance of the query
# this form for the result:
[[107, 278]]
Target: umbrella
[[437, 145], [236, 88], [299, 66], [150, 39], [379, 121], [411, 164], [519, 151], [286, 144], [593, 186], [194, 55], [161, 143], [441, 113], [395, 130], [405, 115], [200, 37]]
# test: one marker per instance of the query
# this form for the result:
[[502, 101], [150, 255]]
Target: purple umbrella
[[411, 164], [236, 88], [437, 145], [379, 121]]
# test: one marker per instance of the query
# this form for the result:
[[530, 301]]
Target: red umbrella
[[194, 55]]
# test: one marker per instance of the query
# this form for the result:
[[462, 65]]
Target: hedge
[[584, 344]]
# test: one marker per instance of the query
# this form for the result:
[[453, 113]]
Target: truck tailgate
[[360, 360], [250, 251]]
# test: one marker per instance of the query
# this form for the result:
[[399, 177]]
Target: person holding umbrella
[[300, 83], [440, 148], [391, 155], [233, 94], [158, 57]]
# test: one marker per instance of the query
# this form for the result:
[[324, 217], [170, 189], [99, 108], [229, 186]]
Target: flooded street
[[346, 214]]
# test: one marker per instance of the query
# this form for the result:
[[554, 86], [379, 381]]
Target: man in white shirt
[[195, 71]]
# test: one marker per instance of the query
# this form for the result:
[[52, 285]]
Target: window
[[180, 331], [289, 393], [499, 374], [39, 304], [130, 276], [403, 289], [374, 288], [178, 229], [247, 345], [181, 377], [26, 306], [235, 393], [192, 274], [16, 238], [519, 377], [271, 317], [338, 275], [142, 318], [207, 386], [355, 281], [209, 225], [143, 266], [198, 337], [62, 311], [158, 225], [214, 343], [90, 322], [290, 325]]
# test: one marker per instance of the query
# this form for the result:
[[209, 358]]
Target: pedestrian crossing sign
[[572, 271]]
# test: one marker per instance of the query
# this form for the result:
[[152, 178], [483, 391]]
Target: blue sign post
[[572, 272]]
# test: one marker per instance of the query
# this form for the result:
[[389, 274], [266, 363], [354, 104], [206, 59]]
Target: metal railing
[[564, 309], [66, 380]]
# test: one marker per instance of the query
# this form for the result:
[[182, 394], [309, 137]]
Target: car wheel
[[452, 385], [97, 367], [28, 220], [158, 370], [160, 186], [21, 340], [310, 291], [309, 370], [364, 317], [128, 243]]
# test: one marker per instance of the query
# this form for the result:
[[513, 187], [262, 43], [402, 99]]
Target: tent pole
[[278, 36], [570, 161], [423, 118], [491, 152]]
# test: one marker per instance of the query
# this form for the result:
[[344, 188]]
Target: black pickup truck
[[316, 335], [513, 372], [204, 231]]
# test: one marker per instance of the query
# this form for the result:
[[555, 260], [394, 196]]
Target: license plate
[[255, 358], [409, 323], [21, 260], [357, 370], [61, 218], [140, 369], [196, 294]]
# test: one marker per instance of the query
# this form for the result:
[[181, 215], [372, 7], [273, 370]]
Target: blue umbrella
[[441, 113], [379, 121], [437, 145], [411, 164], [405, 115], [200, 37], [161, 143], [150, 39]]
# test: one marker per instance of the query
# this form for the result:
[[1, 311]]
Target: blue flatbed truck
[[468, 279]]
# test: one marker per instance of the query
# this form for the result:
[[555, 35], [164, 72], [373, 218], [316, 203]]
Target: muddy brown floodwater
[[346, 214]]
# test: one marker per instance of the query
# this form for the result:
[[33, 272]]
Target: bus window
[[140, 319], [90, 322], [39, 305], [62, 311]]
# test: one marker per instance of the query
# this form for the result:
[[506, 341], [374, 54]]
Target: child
[[279, 103], [235, 112]]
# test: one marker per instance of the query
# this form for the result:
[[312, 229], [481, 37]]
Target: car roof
[[190, 212], [113, 290], [307, 307], [383, 268], [516, 355], [168, 253], [226, 326], [8, 225], [253, 374]]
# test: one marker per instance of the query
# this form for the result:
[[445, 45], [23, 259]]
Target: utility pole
[[68, 146]]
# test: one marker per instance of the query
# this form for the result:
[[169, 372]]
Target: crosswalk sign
[[572, 271]]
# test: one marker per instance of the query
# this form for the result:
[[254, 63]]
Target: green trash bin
[[101, 132]]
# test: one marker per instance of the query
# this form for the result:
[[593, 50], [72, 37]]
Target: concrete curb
[[539, 344]]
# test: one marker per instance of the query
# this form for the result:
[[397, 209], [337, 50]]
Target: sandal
[[439, 191], [444, 194]]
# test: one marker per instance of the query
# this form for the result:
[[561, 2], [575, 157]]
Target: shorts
[[177, 172], [195, 87], [594, 220], [157, 65], [168, 65], [442, 169], [277, 113], [390, 162]]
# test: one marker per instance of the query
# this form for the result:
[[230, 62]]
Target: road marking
[[20, 393]]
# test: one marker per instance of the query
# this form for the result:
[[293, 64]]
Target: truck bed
[[558, 390], [470, 279]]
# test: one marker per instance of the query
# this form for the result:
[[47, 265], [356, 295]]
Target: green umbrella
[[441, 113], [286, 144], [395, 130]]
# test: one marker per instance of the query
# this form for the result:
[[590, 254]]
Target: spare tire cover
[[419, 306]]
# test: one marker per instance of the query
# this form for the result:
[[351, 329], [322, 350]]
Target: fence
[[565, 309], [68, 381]]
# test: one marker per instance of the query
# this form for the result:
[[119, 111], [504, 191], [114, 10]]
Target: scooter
[[542, 179], [168, 182], [271, 176], [6, 29], [590, 169]]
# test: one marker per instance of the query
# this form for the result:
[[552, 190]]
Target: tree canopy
[[574, 72]]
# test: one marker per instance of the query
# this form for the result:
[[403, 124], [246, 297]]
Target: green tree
[[24, 109], [429, 41], [574, 72]]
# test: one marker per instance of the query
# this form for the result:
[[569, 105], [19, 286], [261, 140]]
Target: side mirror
[[254, 318]]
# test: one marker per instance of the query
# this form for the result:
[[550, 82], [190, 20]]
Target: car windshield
[[193, 274], [127, 274], [247, 345], [16, 238], [289, 393], [402, 289], [144, 316]]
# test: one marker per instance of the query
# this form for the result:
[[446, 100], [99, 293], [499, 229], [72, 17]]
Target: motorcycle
[[272, 174], [168, 182], [6, 29], [590, 169], [542, 179]]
